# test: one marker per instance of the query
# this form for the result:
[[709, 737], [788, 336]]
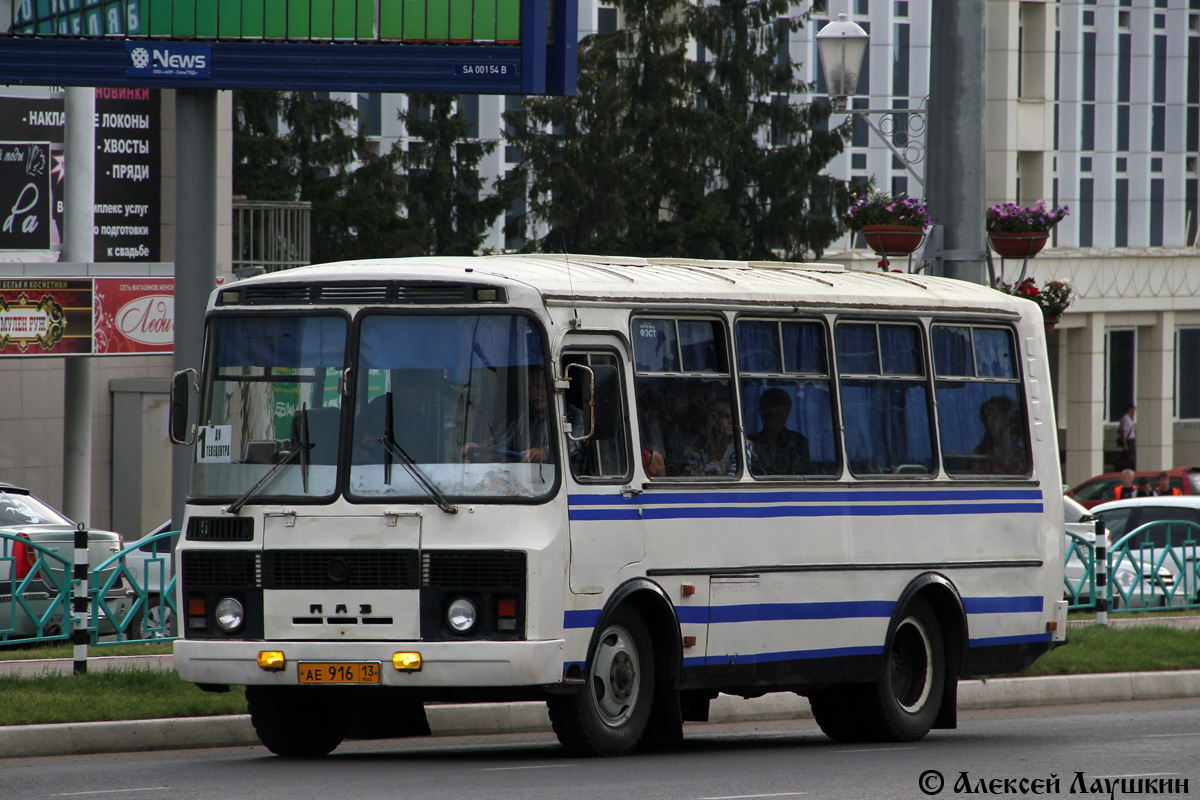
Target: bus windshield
[[461, 401], [444, 406], [272, 381]]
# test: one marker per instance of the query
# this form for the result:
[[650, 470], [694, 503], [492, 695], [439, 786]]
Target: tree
[[662, 155], [447, 212], [609, 172], [767, 151], [424, 200]]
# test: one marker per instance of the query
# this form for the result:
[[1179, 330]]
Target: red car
[[1100, 489]]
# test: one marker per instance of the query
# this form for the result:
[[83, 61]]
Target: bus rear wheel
[[609, 716], [909, 692], [297, 723], [903, 703]]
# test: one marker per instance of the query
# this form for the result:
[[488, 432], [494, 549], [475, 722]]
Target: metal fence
[[1154, 567], [45, 598], [271, 235]]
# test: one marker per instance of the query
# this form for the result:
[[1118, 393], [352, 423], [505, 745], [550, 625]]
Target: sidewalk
[[479, 718]]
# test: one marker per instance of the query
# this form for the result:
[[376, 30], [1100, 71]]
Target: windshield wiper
[[300, 452], [393, 450]]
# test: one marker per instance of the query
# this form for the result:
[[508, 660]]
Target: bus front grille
[[221, 568], [220, 529], [340, 569], [477, 569]]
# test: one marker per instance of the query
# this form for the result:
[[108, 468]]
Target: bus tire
[[908, 693], [297, 723], [609, 716], [842, 712]]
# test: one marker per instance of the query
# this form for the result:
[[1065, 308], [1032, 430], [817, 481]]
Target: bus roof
[[627, 279]]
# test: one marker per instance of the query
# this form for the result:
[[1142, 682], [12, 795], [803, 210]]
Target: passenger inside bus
[[776, 449], [1001, 443], [716, 453]]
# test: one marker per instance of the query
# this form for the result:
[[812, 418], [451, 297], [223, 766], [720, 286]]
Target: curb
[[477, 719]]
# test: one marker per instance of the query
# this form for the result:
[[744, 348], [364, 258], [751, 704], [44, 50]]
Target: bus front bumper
[[443, 664]]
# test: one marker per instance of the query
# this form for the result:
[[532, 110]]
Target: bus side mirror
[[182, 385]]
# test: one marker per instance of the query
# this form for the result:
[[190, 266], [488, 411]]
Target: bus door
[[605, 522]]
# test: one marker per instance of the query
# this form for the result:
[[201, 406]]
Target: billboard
[[293, 20], [87, 316], [127, 175]]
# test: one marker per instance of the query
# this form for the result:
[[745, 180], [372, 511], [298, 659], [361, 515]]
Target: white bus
[[617, 485]]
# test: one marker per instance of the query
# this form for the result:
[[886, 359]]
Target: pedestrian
[[1164, 488], [1125, 489], [1126, 437]]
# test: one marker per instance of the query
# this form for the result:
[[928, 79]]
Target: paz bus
[[617, 485]]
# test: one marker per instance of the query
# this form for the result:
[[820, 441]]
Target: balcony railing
[[271, 235]]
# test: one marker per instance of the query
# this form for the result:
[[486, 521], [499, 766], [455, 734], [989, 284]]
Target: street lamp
[[841, 46]]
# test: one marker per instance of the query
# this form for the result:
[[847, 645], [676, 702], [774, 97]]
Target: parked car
[[1129, 574], [1100, 488], [1174, 547], [41, 613], [150, 565]]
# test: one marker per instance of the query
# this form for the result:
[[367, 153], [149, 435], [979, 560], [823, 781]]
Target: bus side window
[[981, 406], [885, 398], [604, 455]]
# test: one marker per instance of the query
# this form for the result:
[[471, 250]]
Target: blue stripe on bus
[[764, 512], [1003, 605], [774, 612], [809, 496], [789, 655], [1028, 638]]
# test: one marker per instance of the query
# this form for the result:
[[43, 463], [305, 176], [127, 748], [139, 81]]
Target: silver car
[[41, 582], [1129, 576]]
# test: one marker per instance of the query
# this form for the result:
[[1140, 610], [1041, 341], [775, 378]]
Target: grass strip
[[1142, 648], [110, 695], [66, 650]]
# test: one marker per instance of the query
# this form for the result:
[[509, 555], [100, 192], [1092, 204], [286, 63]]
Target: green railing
[[149, 581], [36, 607], [1153, 567], [132, 594]]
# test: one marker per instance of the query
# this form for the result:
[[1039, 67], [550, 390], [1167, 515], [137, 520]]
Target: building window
[[370, 113], [900, 53], [1120, 357], [468, 106], [1085, 212], [858, 161], [1087, 127], [1085, 164], [1122, 164], [1187, 377], [1157, 191], [1156, 165], [1121, 222], [606, 20]]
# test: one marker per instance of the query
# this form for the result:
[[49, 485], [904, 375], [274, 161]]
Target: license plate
[[329, 672]]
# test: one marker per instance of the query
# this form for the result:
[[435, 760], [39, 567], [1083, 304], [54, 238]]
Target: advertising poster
[[25, 221], [134, 316], [45, 317], [128, 171]]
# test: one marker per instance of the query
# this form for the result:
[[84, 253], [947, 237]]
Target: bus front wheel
[[609, 715], [295, 722]]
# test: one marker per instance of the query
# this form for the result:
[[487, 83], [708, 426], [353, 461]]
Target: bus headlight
[[230, 615], [462, 614]]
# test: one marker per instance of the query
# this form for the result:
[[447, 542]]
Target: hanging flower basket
[[1018, 245], [893, 240]]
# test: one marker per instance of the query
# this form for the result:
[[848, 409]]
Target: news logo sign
[[168, 60]]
